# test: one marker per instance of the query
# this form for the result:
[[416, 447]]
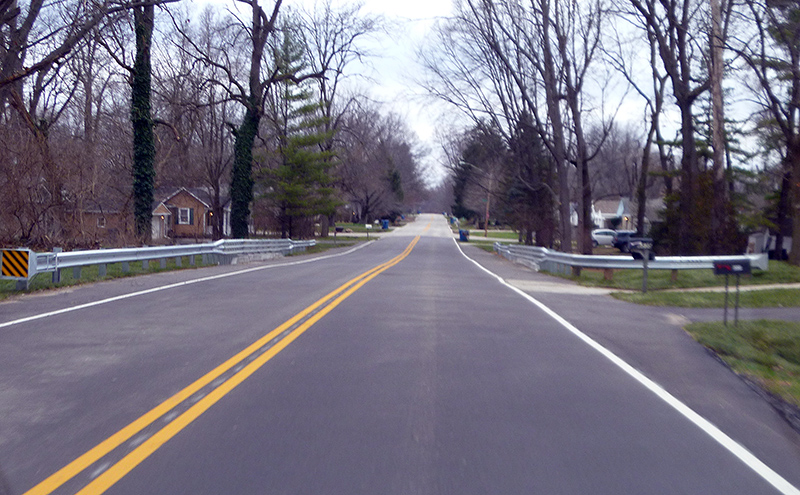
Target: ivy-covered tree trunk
[[144, 150], [794, 179], [242, 172]]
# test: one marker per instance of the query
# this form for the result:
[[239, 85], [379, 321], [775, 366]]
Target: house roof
[[613, 207], [161, 209], [201, 194], [106, 201], [181, 190]]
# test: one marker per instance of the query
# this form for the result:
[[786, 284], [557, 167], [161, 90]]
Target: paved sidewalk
[[742, 288]]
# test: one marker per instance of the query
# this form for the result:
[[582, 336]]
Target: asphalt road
[[426, 376]]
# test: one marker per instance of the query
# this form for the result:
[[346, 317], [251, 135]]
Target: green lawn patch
[[497, 234], [485, 245], [44, 281], [327, 243], [767, 352], [770, 298], [360, 227], [779, 272]]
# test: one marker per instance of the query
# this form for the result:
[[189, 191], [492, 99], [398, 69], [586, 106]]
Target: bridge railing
[[219, 252], [548, 260]]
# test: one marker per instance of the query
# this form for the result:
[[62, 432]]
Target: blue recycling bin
[[463, 235], [385, 224]]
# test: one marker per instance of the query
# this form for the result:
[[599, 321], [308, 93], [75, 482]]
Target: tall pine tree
[[300, 185]]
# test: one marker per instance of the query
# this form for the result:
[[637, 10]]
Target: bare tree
[[334, 39], [538, 56], [621, 54], [773, 55], [676, 30], [198, 108], [378, 170]]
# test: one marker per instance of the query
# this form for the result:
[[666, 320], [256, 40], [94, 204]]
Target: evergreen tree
[[462, 173], [300, 185], [529, 195]]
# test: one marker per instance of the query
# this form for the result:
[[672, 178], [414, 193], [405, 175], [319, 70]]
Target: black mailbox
[[732, 267], [638, 246]]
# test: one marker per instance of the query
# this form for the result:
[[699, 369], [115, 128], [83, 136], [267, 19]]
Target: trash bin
[[463, 235], [385, 224]]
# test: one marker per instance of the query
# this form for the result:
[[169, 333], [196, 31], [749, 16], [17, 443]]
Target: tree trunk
[[687, 236], [553, 98], [719, 235], [794, 160], [218, 222], [242, 170], [143, 141], [641, 188]]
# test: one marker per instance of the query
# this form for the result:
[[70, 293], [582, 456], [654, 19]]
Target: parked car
[[602, 237], [621, 240]]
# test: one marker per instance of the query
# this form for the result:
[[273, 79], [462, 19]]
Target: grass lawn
[[360, 227], [324, 244], [497, 234], [485, 245], [44, 281], [769, 298], [779, 272], [766, 351]]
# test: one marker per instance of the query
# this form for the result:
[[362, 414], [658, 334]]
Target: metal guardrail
[[220, 252], [547, 260]]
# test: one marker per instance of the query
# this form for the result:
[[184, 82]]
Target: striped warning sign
[[15, 263]]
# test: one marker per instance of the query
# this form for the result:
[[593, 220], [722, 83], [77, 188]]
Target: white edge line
[[753, 462], [173, 286]]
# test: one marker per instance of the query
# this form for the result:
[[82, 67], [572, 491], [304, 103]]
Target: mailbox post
[[642, 248], [727, 268]]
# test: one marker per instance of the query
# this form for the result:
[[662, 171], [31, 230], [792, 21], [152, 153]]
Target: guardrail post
[[145, 265], [178, 261], [163, 263], [57, 271], [126, 267], [191, 260], [102, 269], [204, 259], [76, 273], [608, 274]]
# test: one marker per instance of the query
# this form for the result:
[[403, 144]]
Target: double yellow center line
[[301, 322]]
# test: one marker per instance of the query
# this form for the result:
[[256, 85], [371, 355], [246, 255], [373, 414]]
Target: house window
[[101, 222], [185, 216]]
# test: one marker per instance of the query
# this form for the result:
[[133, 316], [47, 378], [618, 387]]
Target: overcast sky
[[395, 69]]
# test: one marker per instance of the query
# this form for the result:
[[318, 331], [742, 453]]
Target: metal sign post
[[737, 268]]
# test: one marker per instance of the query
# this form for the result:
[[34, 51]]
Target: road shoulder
[[652, 340]]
